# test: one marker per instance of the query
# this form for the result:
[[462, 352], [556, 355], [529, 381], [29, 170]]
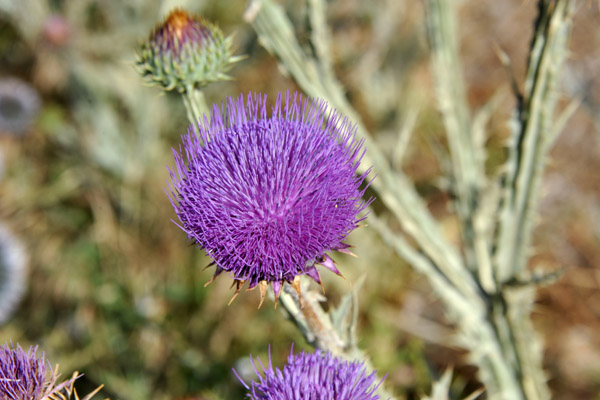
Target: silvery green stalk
[[186, 53]]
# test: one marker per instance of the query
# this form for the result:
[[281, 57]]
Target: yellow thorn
[[262, 286], [211, 281], [238, 288], [296, 286], [350, 253], [233, 298]]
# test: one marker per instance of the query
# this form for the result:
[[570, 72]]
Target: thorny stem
[[532, 136], [314, 322], [467, 158], [316, 326]]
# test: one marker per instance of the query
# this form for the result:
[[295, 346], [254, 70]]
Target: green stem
[[532, 138], [467, 166], [195, 106]]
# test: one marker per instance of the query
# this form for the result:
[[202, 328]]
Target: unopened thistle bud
[[185, 52]]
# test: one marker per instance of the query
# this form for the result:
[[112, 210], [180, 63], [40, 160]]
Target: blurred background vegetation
[[115, 290]]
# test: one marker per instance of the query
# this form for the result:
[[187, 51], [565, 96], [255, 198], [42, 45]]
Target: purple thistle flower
[[25, 376], [267, 196], [22, 375], [314, 376]]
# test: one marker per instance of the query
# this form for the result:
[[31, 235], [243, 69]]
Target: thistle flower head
[[23, 375], [310, 376], [268, 196], [185, 52]]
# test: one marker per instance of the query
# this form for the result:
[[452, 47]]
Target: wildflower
[[308, 376], [23, 376], [185, 52], [267, 197], [19, 105], [13, 266]]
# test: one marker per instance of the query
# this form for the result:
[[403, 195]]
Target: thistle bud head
[[185, 52]]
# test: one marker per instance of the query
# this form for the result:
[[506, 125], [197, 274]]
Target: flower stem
[[195, 106], [316, 326]]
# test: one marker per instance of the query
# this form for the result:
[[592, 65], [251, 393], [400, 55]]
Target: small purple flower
[[314, 376], [23, 376], [267, 196]]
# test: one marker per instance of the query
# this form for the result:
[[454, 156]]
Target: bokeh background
[[115, 290]]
